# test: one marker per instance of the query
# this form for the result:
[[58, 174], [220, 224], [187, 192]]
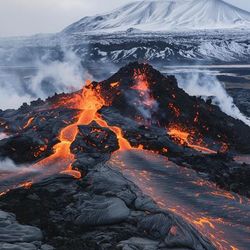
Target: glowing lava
[[28, 123], [184, 138], [89, 104]]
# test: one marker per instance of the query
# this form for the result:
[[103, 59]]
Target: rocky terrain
[[241, 98], [62, 182], [173, 48], [16, 236], [102, 211]]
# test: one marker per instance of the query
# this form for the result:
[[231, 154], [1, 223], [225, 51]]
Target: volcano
[[138, 105], [166, 15], [63, 145]]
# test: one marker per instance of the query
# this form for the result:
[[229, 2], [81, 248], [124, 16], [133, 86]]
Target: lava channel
[[62, 159], [221, 216]]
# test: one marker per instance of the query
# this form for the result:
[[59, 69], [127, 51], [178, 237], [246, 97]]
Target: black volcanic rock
[[102, 211], [93, 139], [193, 113], [21, 148], [150, 137], [16, 236], [35, 141], [32, 141]]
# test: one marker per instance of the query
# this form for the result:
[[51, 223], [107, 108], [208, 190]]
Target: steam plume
[[201, 84], [7, 165], [66, 75]]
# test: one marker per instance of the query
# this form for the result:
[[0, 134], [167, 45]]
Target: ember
[[174, 109]]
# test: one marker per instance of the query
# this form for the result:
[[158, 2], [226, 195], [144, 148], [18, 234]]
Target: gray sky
[[26, 17]]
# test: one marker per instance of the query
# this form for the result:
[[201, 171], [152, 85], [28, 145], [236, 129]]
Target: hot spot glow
[[28, 123], [185, 138], [144, 101], [89, 104]]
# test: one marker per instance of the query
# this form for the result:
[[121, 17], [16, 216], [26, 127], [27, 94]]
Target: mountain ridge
[[165, 15]]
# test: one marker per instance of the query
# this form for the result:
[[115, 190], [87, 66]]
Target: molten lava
[[28, 122], [123, 143], [186, 138], [89, 104], [218, 214]]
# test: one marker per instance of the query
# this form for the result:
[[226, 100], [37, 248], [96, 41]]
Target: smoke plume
[[50, 76], [201, 84], [7, 165], [3, 136]]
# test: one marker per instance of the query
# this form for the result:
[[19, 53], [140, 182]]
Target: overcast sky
[[26, 17]]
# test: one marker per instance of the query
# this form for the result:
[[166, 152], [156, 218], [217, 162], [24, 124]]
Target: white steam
[[3, 136], [50, 76], [201, 84], [12, 93], [143, 103], [56, 76], [142, 99], [7, 165]]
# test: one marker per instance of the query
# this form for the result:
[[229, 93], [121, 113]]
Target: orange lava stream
[[92, 102], [28, 122], [183, 138], [123, 143], [89, 105]]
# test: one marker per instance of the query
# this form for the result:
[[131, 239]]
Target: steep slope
[[166, 15]]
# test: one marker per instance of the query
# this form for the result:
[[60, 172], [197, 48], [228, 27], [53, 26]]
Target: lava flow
[[62, 159], [184, 138], [221, 216], [89, 104]]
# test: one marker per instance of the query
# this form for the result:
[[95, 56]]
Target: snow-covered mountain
[[189, 31], [166, 15]]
